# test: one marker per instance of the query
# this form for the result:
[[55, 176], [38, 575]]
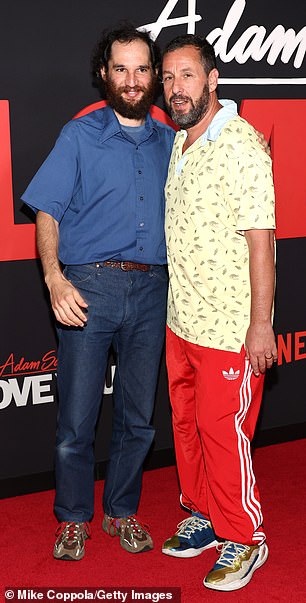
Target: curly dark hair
[[101, 54], [206, 50]]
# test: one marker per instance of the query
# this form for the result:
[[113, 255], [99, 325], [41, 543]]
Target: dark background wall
[[45, 80]]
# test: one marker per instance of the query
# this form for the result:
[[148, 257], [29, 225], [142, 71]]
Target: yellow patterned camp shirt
[[214, 192]]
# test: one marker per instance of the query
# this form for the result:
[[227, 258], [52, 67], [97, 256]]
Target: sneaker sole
[[144, 550], [67, 557], [261, 559], [190, 552]]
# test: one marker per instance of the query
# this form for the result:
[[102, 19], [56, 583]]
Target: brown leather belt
[[125, 266]]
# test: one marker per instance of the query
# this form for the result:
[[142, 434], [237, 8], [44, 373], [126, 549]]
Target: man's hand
[[260, 347], [263, 142], [66, 301]]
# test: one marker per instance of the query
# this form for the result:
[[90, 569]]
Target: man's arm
[[66, 301], [260, 341], [263, 142]]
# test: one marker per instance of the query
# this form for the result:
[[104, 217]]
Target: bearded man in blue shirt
[[99, 198]]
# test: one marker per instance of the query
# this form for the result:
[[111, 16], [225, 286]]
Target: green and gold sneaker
[[235, 566]]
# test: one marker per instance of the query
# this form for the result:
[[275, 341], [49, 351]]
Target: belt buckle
[[123, 266]]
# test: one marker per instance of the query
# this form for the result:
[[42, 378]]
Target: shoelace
[[137, 526], [133, 522], [190, 525], [230, 551], [70, 530]]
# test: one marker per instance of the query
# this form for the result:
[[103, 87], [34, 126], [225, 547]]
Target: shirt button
[[139, 172], [141, 224], [141, 198], [140, 248]]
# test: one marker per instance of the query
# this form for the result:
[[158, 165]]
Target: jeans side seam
[[123, 430]]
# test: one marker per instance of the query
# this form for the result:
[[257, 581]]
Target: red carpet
[[28, 527]]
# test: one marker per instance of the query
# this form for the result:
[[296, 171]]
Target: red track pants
[[215, 399]]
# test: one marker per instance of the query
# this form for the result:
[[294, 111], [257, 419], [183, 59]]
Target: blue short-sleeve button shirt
[[105, 190]]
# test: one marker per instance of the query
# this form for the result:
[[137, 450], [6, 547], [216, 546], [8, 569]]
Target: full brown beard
[[131, 109]]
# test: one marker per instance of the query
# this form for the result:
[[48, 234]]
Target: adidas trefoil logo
[[231, 375]]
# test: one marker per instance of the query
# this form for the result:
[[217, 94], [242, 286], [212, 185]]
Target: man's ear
[[103, 73], [213, 80]]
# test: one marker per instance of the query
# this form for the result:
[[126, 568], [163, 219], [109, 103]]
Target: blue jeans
[[127, 311]]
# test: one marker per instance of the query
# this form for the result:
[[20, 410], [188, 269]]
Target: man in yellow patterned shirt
[[220, 243]]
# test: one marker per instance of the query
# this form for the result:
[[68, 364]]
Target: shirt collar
[[111, 126], [228, 111]]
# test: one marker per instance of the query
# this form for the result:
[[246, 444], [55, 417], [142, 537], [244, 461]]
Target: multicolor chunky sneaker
[[235, 566], [70, 542], [194, 535], [134, 535]]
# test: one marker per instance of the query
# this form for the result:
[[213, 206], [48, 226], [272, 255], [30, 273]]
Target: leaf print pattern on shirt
[[221, 189]]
